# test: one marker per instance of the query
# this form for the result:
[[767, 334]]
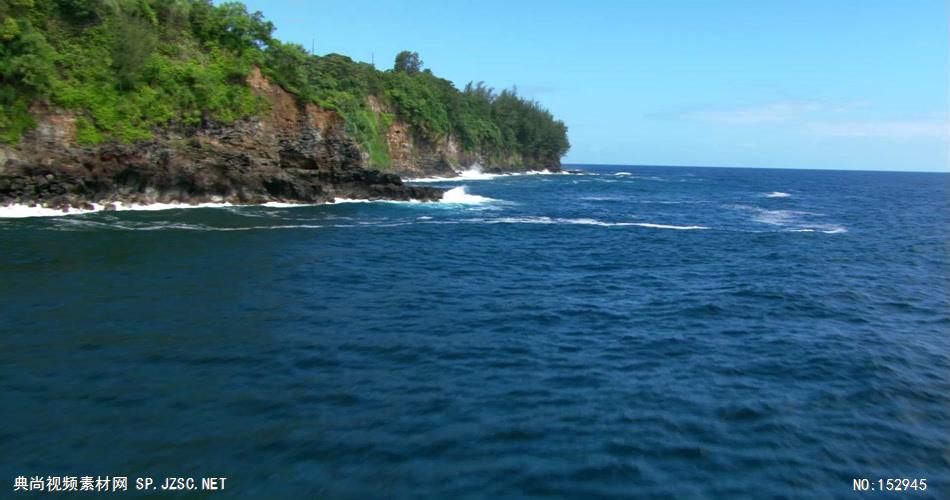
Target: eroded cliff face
[[415, 157], [294, 153]]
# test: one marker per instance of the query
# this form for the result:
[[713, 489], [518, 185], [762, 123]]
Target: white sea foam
[[20, 211], [794, 220], [775, 217], [280, 204], [114, 223], [459, 196], [623, 173], [455, 196], [790, 220], [668, 226], [200, 227], [777, 194], [772, 217], [550, 220], [169, 206], [337, 201], [578, 221], [827, 229], [475, 173], [350, 200]]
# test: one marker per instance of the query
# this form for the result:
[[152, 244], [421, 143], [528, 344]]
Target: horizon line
[[758, 168]]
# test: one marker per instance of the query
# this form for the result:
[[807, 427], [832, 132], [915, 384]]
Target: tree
[[287, 64], [136, 40], [130, 66], [15, 7], [240, 29], [230, 25], [81, 10], [408, 62]]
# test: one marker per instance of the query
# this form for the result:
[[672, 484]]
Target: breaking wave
[[460, 196], [456, 195], [475, 173]]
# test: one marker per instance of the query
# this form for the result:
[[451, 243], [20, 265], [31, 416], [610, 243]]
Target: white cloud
[[769, 113], [779, 112], [884, 129], [823, 119]]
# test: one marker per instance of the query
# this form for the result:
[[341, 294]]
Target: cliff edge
[[295, 153], [191, 102]]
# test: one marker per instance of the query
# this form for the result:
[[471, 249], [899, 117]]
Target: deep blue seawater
[[631, 332]]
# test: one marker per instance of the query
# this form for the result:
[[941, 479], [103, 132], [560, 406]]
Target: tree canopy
[[408, 62], [130, 66]]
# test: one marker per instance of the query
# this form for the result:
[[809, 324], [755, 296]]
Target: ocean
[[623, 332]]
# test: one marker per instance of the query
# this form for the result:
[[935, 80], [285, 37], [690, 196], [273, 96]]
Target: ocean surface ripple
[[627, 332]]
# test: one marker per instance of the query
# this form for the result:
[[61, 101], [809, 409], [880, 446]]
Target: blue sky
[[779, 83]]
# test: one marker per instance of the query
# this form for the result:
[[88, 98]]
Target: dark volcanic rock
[[296, 153]]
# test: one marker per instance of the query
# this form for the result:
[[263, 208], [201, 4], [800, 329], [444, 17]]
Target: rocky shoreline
[[295, 153], [249, 162], [153, 172]]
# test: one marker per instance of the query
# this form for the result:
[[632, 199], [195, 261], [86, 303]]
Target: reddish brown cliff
[[293, 153]]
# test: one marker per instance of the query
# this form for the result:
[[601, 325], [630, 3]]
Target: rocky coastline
[[294, 153], [236, 164]]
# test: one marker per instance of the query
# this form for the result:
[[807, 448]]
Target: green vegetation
[[130, 66], [408, 62]]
